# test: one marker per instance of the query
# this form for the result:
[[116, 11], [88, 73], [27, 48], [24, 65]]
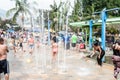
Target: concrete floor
[[67, 67]]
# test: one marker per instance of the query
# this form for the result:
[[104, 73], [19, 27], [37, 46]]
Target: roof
[[96, 22]]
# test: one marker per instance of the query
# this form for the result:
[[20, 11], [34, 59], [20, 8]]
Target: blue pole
[[90, 36], [48, 30], [103, 37], [103, 29]]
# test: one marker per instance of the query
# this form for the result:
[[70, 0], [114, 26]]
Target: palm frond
[[10, 11], [52, 6], [16, 15], [61, 3], [28, 11]]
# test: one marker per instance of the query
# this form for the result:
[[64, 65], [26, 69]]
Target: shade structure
[[10, 30], [95, 22]]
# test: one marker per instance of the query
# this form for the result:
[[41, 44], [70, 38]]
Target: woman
[[12, 44], [97, 47], [116, 58]]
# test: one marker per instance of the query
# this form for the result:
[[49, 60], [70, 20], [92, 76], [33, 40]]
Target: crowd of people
[[14, 41]]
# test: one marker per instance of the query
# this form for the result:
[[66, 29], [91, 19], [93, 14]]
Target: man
[[31, 44], [66, 40], [54, 37], [21, 43], [4, 67], [12, 44], [74, 40]]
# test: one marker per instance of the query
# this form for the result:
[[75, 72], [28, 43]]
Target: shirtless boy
[[4, 67]]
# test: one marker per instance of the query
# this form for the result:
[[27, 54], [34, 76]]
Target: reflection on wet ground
[[67, 67]]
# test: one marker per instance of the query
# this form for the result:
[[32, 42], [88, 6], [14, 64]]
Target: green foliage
[[4, 22], [76, 13], [55, 15], [74, 29], [113, 29], [17, 28], [91, 6], [88, 7], [21, 7]]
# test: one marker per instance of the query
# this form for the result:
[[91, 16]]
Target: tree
[[4, 22], [113, 29], [54, 14], [77, 11], [65, 10], [91, 6], [22, 7]]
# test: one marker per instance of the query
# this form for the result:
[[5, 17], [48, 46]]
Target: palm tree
[[54, 14], [65, 10], [22, 7], [4, 22], [77, 11]]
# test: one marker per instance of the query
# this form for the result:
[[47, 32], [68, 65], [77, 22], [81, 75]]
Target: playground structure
[[103, 20], [89, 23]]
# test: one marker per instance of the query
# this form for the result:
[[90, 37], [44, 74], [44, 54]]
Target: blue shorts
[[31, 46]]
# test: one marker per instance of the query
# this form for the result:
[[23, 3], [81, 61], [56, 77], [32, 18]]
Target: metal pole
[[86, 35], [103, 29], [103, 37], [90, 35]]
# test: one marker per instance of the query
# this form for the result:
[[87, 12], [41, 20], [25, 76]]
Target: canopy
[[10, 30], [96, 22]]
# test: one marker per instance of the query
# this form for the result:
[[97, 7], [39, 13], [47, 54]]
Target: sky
[[42, 4]]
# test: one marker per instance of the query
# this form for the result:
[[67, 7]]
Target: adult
[[116, 58], [54, 37], [112, 39], [31, 44], [97, 47], [21, 43], [66, 40], [4, 67], [74, 40], [12, 44]]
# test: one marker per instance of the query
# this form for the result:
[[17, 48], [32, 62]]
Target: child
[[54, 50]]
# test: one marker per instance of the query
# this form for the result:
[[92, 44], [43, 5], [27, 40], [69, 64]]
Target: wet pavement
[[71, 66]]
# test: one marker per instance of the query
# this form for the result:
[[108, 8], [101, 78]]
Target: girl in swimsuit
[[54, 50]]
